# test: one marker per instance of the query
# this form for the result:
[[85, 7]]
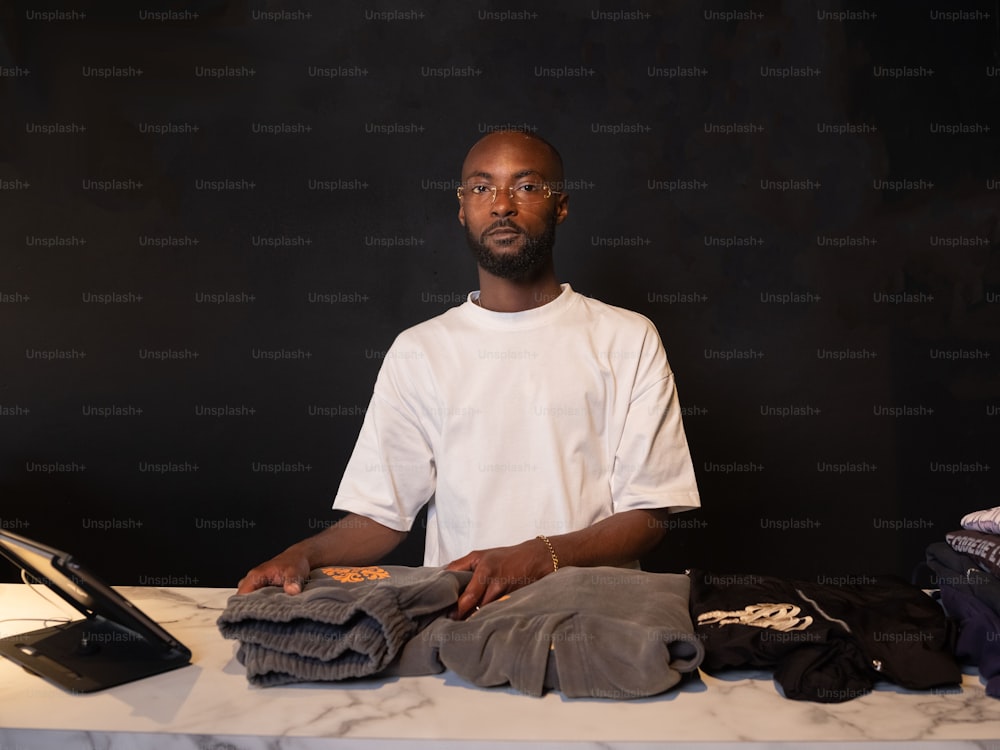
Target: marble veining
[[211, 705]]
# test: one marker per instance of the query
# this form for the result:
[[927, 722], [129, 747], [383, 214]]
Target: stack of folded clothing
[[599, 632], [588, 632], [347, 622], [825, 642], [967, 572]]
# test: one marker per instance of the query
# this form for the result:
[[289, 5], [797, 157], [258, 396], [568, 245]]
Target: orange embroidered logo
[[356, 575]]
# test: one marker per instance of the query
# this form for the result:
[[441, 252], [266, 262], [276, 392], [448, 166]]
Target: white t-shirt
[[517, 424]]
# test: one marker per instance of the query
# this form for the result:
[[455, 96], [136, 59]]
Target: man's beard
[[535, 252]]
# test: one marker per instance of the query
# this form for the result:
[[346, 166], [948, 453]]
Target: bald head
[[533, 153], [512, 234]]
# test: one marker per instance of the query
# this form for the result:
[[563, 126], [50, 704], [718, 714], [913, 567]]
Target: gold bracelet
[[555, 560]]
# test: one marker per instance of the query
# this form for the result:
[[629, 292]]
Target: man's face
[[511, 240]]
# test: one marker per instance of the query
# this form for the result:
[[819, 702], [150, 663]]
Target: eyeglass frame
[[510, 192]]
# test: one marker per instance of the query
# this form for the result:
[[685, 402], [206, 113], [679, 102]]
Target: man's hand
[[618, 539], [289, 569], [353, 540], [499, 571]]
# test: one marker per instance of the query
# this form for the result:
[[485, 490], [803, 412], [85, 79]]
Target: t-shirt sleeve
[[391, 473], [652, 467]]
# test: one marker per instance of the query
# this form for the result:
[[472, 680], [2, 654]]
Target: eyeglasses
[[522, 193]]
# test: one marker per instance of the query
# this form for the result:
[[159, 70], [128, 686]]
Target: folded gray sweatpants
[[598, 632], [346, 622]]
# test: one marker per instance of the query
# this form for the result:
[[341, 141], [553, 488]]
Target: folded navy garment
[[978, 636], [347, 622], [598, 632]]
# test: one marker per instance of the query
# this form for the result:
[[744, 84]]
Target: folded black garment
[[347, 622], [600, 632], [826, 643], [832, 672]]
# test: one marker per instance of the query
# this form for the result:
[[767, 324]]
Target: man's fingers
[[483, 588], [470, 597], [466, 562], [492, 593], [251, 582], [286, 577]]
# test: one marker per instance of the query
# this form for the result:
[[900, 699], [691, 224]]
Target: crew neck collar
[[533, 318]]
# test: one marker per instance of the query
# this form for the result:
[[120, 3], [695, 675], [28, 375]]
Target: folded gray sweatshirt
[[598, 632], [347, 622]]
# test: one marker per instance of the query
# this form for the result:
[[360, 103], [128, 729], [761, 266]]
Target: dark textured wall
[[214, 220]]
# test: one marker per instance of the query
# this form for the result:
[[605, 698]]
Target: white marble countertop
[[210, 705]]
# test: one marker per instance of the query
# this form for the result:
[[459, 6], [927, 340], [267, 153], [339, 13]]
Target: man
[[542, 426]]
